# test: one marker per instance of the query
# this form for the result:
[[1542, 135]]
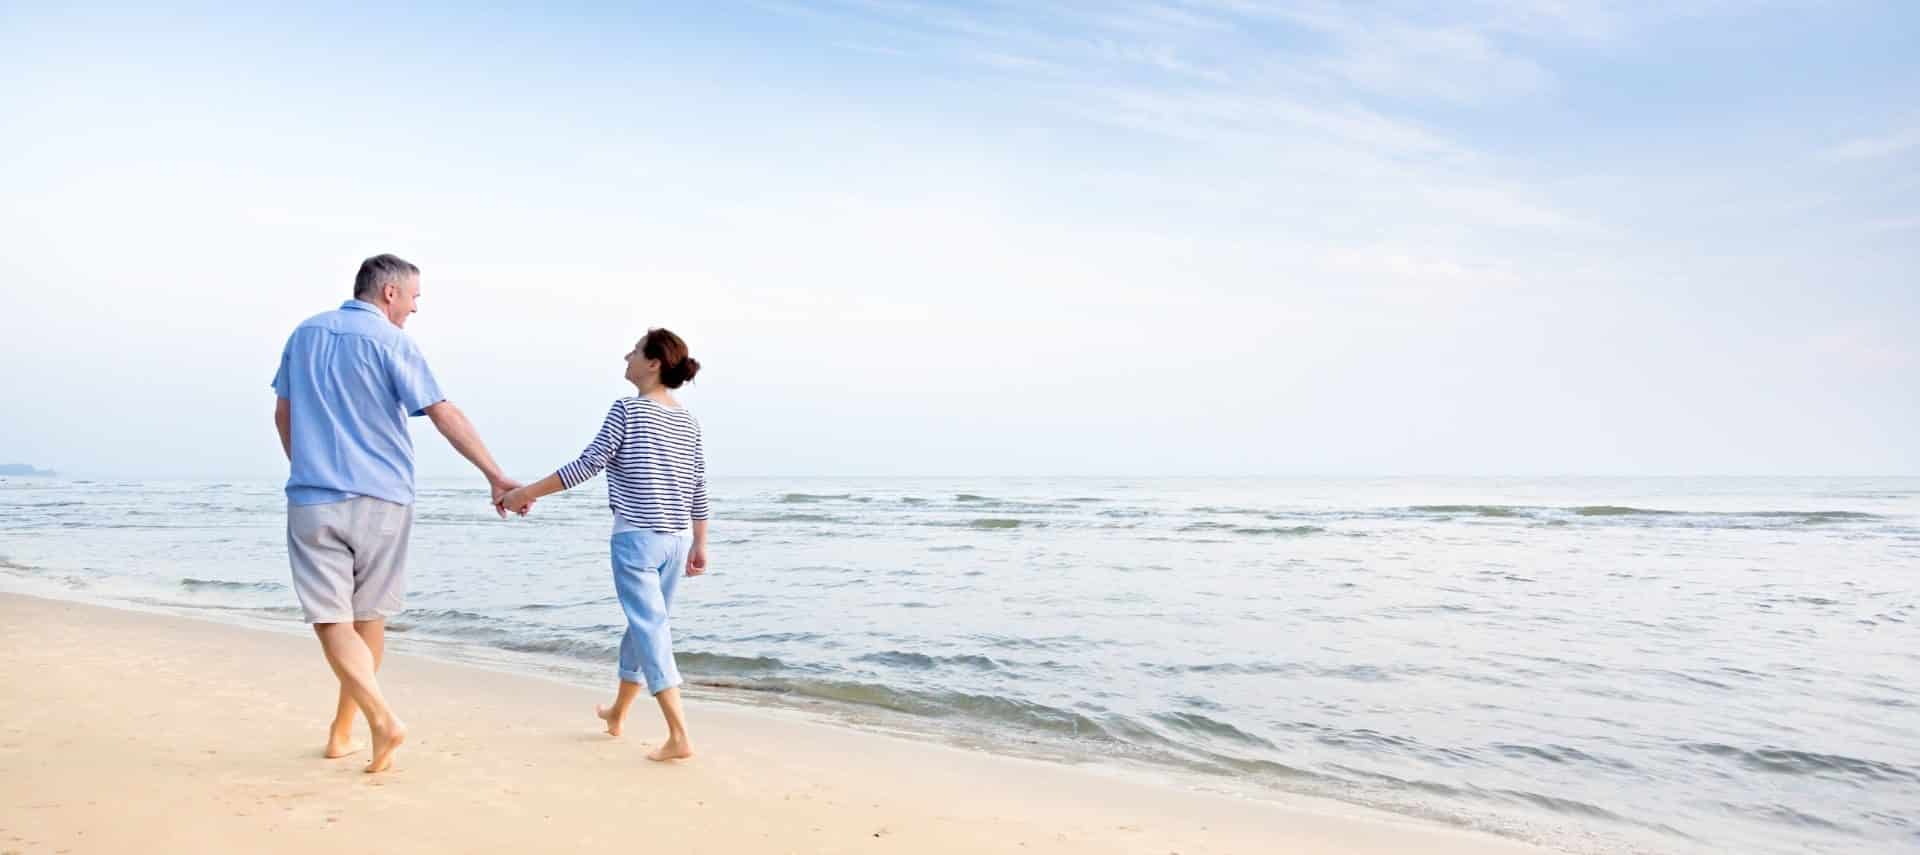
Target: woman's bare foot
[[386, 740], [339, 741], [674, 748], [606, 715]]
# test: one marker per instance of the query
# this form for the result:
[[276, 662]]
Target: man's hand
[[513, 496], [516, 500], [501, 485], [697, 559], [502, 488]]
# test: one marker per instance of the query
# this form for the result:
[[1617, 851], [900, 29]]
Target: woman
[[657, 486]]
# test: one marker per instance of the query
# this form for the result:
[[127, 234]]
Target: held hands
[[515, 500], [510, 495]]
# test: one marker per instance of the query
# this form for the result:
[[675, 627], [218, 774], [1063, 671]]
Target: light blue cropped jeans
[[647, 567]]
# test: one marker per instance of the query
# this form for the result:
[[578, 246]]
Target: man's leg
[[381, 531], [353, 662], [322, 559], [340, 735]]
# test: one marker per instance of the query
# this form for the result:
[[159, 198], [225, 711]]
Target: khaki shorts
[[349, 558]]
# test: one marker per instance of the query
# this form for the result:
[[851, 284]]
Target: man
[[348, 380]]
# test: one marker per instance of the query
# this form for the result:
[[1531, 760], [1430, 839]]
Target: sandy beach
[[127, 731]]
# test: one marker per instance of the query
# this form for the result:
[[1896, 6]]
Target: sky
[[1175, 238]]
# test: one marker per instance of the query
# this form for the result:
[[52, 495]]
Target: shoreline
[[208, 735], [1513, 824]]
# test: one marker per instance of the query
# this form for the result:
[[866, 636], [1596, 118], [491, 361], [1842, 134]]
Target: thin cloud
[[1869, 148], [880, 50], [1298, 116], [1457, 65], [1894, 224], [1458, 61], [1227, 117]]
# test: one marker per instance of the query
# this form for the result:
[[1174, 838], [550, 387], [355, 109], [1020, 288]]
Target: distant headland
[[22, 469]]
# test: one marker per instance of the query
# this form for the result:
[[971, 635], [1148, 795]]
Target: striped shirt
[[656, 470]]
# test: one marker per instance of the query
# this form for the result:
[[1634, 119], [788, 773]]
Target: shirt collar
[[363, 306]]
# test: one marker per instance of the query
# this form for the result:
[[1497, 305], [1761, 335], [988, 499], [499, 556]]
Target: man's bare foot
[[339, 741], [673, 749], [606, 715], [386, 740]]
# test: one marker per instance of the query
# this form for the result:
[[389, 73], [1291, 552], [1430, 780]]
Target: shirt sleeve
[[413, 382], [599, 452], [282, 384], [700, 509]]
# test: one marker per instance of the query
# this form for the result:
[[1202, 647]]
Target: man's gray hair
[[378, 272]]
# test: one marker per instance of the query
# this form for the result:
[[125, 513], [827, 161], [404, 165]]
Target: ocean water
[[1602, 665]]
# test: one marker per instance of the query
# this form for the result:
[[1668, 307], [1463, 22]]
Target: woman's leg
[[622, 701], [666, 692], [677, 746], [632, 567]]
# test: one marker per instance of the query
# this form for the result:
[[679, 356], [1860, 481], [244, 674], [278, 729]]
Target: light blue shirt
[[351, 379]]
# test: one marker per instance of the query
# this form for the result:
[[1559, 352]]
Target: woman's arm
[[599, 452], [697, 557], [518, 500]]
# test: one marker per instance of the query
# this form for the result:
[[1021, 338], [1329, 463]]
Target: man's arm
[[453, 424], [283, 420]]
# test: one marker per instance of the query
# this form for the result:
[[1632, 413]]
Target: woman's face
[[639, 367]]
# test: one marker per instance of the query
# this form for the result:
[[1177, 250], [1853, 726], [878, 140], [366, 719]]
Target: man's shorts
[[349, 558]]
